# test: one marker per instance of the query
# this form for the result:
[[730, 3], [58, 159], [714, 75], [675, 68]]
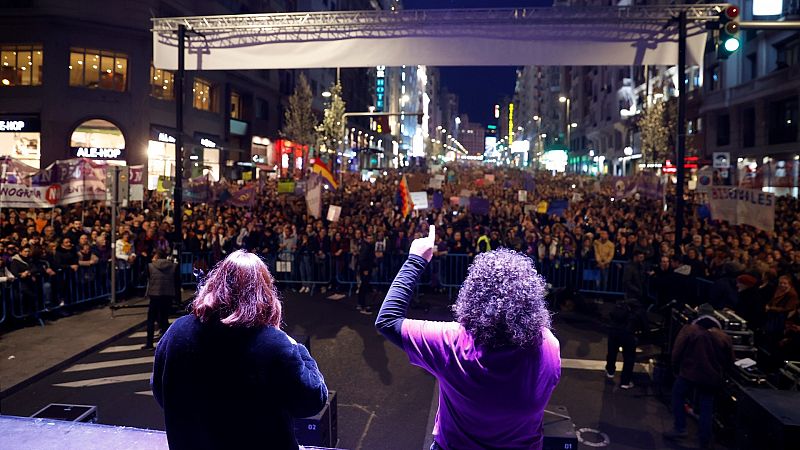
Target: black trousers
[[621, 338], [158, 311], [366, 288]]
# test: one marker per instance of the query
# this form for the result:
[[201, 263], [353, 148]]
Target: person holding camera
[[161, 290], [497, 364]]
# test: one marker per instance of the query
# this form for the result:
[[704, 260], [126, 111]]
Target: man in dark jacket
[[701, 354], [633, 277], [621, 334], [28, 275], [161, 290], [366, 262]]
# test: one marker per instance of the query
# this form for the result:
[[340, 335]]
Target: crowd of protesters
[[753, 272]]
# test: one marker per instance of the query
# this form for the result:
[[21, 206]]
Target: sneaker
[[610, 376], [629, 385], [675, 434], [367, 310]]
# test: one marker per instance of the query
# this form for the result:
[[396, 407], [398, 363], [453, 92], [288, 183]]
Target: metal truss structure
[[310, 26]]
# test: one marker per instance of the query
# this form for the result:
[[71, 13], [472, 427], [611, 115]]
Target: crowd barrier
[[19, 299], [28, 298]]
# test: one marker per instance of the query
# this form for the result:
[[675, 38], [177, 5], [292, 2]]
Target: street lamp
[[326, 94], [569, 125]]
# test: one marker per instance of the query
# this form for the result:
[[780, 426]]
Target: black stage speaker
[[768, 419], [559, 431], [322, 429]]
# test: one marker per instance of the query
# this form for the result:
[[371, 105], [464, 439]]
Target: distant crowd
[[753, 271]]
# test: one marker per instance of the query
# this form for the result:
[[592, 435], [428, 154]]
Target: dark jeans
[[366, 288], [157, 311], [703, 401], [621, 338]]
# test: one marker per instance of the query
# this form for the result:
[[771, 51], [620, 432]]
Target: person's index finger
[[432, 231]]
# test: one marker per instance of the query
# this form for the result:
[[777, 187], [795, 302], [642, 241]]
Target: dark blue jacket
[[223, 387]]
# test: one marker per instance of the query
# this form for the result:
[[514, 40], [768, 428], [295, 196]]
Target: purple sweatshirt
[[488, 398]]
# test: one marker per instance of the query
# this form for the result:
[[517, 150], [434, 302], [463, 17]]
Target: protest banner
[[741, 206]]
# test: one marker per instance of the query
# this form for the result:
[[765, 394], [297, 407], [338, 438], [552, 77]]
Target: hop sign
[[53, 194]]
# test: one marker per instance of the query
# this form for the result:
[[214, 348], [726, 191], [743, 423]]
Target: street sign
[[722, 160]]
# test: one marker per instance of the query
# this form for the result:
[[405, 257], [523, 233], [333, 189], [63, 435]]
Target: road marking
[[106, 380], [150, 393], [593, 364], [113, 363], [139, 334], [121, 348]]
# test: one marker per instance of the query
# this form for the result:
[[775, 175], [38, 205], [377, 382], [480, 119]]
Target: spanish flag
[[322, 169], [404, 197]]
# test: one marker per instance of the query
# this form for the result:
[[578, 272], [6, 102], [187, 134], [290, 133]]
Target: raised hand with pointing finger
[[424, 246]]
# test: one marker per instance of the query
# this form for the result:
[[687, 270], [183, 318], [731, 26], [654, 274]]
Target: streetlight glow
[[326, 94], [562, 99]]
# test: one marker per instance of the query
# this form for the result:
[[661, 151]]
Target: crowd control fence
[[26, 298]]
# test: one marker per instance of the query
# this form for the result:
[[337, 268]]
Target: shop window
[[236, 106], [783, 121], [21, 65], [98, 69], [201, 95], [161, 83], [98, 139]]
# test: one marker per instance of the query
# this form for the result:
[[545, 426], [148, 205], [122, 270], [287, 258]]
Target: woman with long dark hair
[[497, 363], [226, 375]]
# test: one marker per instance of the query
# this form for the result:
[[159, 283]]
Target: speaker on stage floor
[[321, 430], [767, 419], [559, 431]]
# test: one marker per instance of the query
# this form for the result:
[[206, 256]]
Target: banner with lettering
[[21, 196], [740, 206]]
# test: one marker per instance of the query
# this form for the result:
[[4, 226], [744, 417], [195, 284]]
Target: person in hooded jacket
[[161, 290]]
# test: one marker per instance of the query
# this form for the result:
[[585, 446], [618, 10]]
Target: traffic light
[[728, 32]]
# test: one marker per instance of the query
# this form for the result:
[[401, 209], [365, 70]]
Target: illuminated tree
[[332, 128]]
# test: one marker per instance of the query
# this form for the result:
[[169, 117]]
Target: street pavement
[[384, 402]]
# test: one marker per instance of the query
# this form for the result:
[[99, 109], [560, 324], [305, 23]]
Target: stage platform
[[25, 433]]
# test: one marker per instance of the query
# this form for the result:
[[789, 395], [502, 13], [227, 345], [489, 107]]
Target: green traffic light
[[731, 45]]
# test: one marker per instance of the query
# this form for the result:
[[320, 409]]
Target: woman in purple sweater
[[497, 364]]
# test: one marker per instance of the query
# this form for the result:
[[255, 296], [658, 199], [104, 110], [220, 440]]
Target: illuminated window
[[201, 95], [236, 106], [161, 82], [21, 65], [99, 69]]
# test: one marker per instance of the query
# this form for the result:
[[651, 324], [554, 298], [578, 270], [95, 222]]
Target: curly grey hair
[[502, 301]]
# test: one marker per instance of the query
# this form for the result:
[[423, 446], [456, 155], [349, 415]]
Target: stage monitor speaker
[[768, 419], [69, 413], [559, 431], [321, 430]]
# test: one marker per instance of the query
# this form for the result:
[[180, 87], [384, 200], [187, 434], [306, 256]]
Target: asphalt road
[[384, 402]]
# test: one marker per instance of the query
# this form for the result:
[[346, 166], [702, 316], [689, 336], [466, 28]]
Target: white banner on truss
[[553, 45]]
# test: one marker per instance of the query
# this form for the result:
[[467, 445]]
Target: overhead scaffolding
[[591, 35]]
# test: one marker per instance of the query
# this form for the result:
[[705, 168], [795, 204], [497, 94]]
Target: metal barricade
[[5, 288], [308, 270]]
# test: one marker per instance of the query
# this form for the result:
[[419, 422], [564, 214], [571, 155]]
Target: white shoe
[[626, 386], [610, 376]]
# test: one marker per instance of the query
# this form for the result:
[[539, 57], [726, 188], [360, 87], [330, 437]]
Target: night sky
[[478, 88]]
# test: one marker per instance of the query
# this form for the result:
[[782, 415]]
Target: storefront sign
[[208, 143], [380, 88], [97, 152], [19, 124]]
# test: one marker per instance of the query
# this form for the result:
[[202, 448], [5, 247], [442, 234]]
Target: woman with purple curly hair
[[497, 364]]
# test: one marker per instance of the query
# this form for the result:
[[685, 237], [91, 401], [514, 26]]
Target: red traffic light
[[732, 12]]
